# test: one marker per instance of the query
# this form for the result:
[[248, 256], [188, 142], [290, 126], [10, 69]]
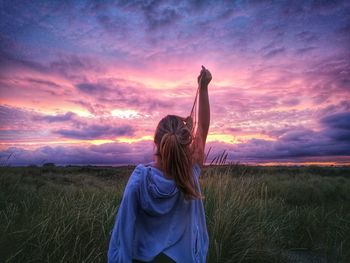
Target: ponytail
[[173, 138]]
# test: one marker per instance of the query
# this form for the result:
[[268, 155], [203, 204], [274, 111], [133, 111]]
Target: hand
[[204, 77]]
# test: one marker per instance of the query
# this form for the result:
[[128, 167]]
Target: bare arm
[[203, 117]]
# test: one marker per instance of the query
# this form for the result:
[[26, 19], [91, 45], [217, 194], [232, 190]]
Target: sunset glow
[[88, 82]]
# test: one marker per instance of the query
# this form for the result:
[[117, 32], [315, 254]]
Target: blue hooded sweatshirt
[[154, 217]]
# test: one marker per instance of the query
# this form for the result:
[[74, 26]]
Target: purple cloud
[[339, 120], [96, 132], [292, 145], [295, 144], [304, 50], [117, 92], [307, 36], [69, 116], [105, 154], [43, 82], [90, 88], [274, 52], [337, 127]]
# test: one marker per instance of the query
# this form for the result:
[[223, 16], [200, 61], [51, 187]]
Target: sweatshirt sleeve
[[121, 242]]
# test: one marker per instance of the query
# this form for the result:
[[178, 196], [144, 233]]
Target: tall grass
[[56, 214], [45, 221], [261, 219]]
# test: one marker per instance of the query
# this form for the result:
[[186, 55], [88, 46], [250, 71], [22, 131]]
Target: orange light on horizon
[[99, 142], [303, 164], [236, 139], [132, 140]]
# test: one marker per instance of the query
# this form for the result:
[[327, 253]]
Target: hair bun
[[184, 135]]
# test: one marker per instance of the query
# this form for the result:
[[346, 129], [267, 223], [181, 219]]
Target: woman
[[161, 217]]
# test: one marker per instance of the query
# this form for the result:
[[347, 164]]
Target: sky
[[86, 82]]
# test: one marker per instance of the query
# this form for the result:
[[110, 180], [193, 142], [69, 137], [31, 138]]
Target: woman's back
[[164, 220]]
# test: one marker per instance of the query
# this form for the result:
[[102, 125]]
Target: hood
[[158, 195]]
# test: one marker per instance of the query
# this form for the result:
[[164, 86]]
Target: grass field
[[254, 214]]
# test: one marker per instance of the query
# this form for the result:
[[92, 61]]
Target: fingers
[[204, 74], [205, 71], [202, 70], [208, 74]]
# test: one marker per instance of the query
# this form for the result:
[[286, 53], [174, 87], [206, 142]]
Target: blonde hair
[[173, 137]]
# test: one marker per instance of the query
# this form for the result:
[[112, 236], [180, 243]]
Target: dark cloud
[[90, 88], [339, 135], [337, 127], [8, 60], [236, 21], [299, 135], [20, 134], [278, 132], [154, 15], [328, 78], [304, 50], [161, 18], [72, 67], [326, 7], [22, 117], [90, 132], [290, 102], [20, 124], [15, 116], [114, 25], [295, 144], [104, 154], [307, 36], [274, 52], [43, 82], [234, 130], [69, 116], [116, 94], [343, 32], [339, 120]]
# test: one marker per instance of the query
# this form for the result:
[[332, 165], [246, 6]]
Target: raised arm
[[203, 117]]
